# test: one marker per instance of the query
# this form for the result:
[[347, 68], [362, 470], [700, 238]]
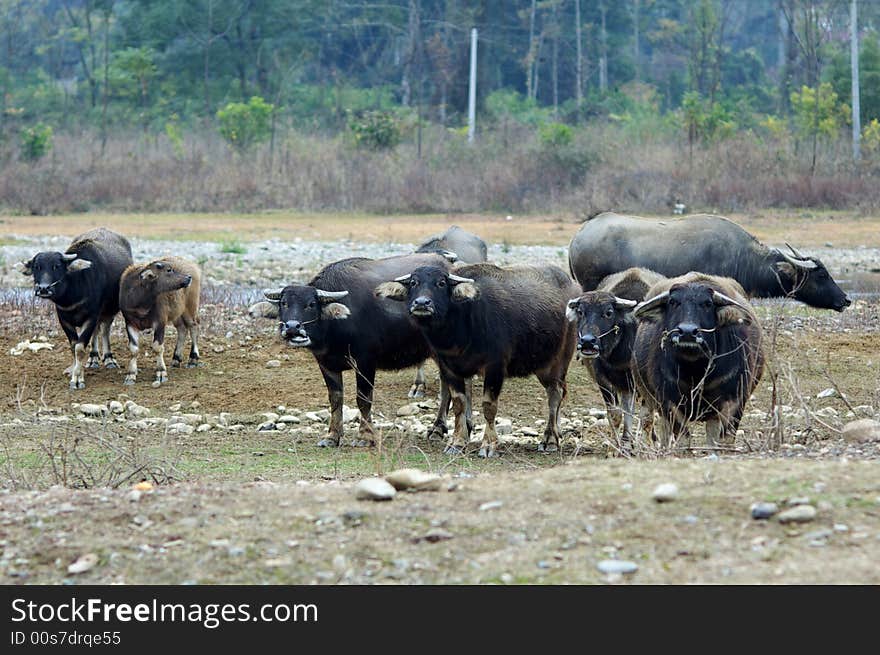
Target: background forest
[[582, 105]]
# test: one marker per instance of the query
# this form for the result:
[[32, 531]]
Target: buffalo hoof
[[93, 364], [110, 364], [547, 447], [128, 381], [194, 363], [161, 376], [328, 442], [77, 384], [437, 432], [363, 443], [453, 449], [487, 452], [416, 391], [175, 363]]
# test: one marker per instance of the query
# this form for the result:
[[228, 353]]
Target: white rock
[[374, 489], [503, 426], [665, 492], [135, 411], [174, 408], [529, 432], [273, 363], [313, 416], [92, 409], [827, 412], [288, 418], [597, 413], [323, 414], [797, 514], [408, 410], [83, 563], [181, 428], [826, 393], [270, 416], [190, 419], [204, 427], [116, 407], [862, 431], [350, 415], [414, 479]]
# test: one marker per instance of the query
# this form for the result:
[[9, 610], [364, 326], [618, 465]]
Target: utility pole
[[854, 55], [472, 88]]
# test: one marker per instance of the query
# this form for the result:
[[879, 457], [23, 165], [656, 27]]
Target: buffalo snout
[[43, 290], [291, 328], [422, 305]]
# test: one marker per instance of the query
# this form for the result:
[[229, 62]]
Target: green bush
[[555, 135], [246, 124], [376, 130], [36, 141]]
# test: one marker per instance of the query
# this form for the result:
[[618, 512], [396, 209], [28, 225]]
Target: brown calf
[[153, 295]]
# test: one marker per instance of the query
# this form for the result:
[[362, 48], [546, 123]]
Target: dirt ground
[[234, 504]]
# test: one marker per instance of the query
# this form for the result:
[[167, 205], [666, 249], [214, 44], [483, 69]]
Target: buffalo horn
[[325, 297], [69, 257], [721, 299], [403, 278], [651, 303], [455, 279], [799, 263], [624, 303], [449, 256], [273, 295], [793, 251]]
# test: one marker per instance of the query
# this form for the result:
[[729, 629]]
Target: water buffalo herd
[[658, 311]]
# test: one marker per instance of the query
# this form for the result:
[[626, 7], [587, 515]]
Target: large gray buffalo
[[609, 242]]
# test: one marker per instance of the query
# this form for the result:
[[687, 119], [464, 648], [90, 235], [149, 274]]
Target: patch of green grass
[[233, 246]]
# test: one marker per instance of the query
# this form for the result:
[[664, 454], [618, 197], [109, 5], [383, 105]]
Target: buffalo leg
[[628, 400], [180, 326], [71, 335], [461, 434], [366, 379], [134, 337], [194, 345], [417, 390], [333, 380], [492, 383], [159, 350], [439, 428], [77, 374], [555, 388], [94, 362], [108, 359]]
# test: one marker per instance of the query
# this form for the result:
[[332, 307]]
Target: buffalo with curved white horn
[[610, 242], [83, 282], [499, 322], [606, 331], [337, 317], [697, 355]]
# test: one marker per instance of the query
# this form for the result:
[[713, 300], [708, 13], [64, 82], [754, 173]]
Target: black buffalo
[[500, 322], [339, 319], [83, 282], [610, 242], [606, 331], [697, 355]]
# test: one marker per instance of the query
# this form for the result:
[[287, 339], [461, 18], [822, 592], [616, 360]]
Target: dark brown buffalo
[[498, 322], [83, 282], [697, 355], [610, 242], [606, 331]]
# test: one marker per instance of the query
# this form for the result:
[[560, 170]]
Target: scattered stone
[[92, 409], [492, 504], [434, 535], [597, 413], [180, 428], [349, 415], [415, 479], [313, 416], [134, 495], [135, 411], [218, 349], [529, 432], [288, 418], [116, 407], [323, 414], [270, 416], [268, 426], [827, 393], [617, 566], [798, 500], [409, 410], [83, 563], [763, 510], [174, 408], [503, 426], [204, 427], [863, 430], [374, 489], [30, 346], [798, 514], [826, 412], [273, 363], [665, 492]]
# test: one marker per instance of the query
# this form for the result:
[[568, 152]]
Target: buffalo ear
[[391, 290], [78, 265], [148, 274], [335, 310], [26, 268], [465, 292], [787, 270], [264, 309], [571, 310]]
